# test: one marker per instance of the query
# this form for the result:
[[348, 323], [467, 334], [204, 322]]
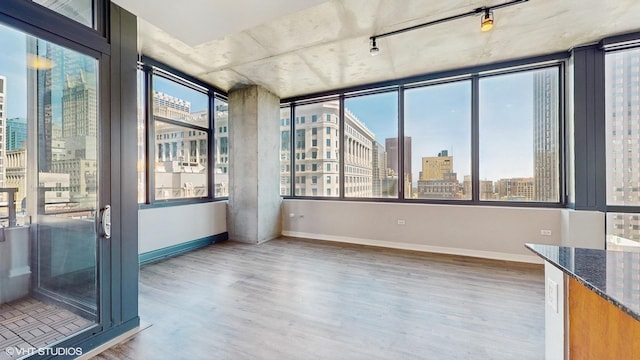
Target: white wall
[[554, 312], [166, 226], [482, 231], [585, 229]]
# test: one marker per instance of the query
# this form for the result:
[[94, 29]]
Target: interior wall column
[[254, 176]]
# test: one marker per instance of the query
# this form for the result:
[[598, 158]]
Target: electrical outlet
[[401, 222], [545, 232]]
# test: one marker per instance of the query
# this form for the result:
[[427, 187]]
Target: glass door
[[50, 194], [65, 210]]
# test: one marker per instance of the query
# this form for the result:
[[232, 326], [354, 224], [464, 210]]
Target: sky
[[198, 100], [15, 70], [437, 117]]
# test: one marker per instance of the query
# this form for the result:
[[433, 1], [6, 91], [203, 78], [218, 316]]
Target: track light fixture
[[374, 50], [486, 22]]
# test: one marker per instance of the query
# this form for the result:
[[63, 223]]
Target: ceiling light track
[[485, 25]]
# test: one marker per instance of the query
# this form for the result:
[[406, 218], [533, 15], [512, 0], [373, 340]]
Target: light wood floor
[[303, 299]]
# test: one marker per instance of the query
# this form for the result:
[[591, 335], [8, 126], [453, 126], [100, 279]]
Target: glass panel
[[285, 151], [181, 152], [67, 174], [142, 141], [315, 162], [181, 164], [438, 133], [221, 126], [178, 102], [48, 245], [519, 129], [623, 128], [371, 123], [623, 231], [81, 11]]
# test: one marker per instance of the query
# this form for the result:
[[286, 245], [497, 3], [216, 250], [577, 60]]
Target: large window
[[221, 121], [370, 129], [519, 136], [314, 160], [437, 141], [285, 151], [187, 144], [476, 138], [623, 147]]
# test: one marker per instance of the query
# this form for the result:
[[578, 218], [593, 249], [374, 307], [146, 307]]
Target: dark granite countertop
[[614, 275]]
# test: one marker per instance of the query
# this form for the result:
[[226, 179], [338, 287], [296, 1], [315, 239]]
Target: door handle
[[106, 221]]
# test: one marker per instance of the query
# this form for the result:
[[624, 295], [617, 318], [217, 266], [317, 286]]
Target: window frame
[[150, 68], [49, 22], [555, 60]]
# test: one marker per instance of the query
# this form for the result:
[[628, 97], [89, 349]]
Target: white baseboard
[[531, 259]]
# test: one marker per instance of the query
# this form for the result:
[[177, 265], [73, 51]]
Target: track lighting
[[486, 22], [374, 50]]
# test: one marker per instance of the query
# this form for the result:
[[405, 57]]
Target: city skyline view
[[518, 131]]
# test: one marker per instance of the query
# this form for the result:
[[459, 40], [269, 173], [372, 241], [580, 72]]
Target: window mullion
[[341, 134], [401, 155], [475, 139], [150, 133]]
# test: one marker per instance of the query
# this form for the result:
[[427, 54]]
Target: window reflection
[[82, 11]]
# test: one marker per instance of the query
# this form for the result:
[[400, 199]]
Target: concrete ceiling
[[324, 45]]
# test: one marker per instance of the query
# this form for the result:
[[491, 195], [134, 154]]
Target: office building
[[437, 179], [515, 189], [623, 154], [16, 133], [393, 156], [545, 137], [3, 117]]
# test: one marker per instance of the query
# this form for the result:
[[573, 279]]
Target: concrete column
[[254, 171]]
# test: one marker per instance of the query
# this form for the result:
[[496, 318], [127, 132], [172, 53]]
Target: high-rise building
[[359, 142], [379, 170], [316, 149], [16, 171], [182, 153], [515, 189], [435, 167], [3, 111], [545, 136], [391, 145], [623, 136], [73, 78], [221, 138], [437, 179], [79, 133], [16, 133], [486, 189]]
